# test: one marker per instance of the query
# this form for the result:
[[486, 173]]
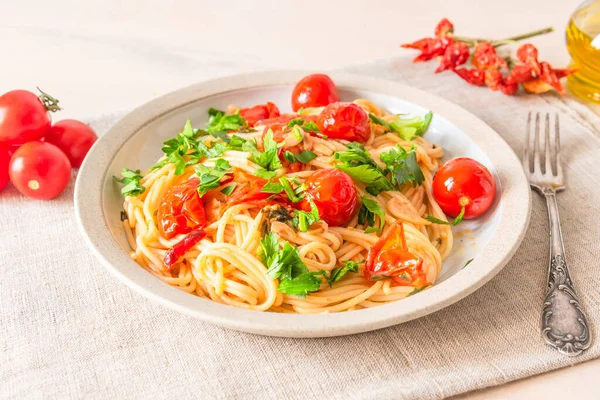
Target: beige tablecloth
[[69, 329]]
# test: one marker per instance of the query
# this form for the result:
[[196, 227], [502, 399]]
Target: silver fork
[[564, 323]]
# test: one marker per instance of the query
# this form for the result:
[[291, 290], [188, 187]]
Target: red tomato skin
[[181, 210], [259, 112], [40, 170], [278, 124], [5, 153], [334, 194], [23, 117], [464, 177], [345, 121], [314, 90], [74, 138]]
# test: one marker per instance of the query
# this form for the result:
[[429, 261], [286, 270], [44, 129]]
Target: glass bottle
[[583, 43]]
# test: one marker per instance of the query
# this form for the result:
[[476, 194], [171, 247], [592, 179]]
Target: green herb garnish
[[409, 128], [210, 178], [403, 166], [369, 209], [131, 181]]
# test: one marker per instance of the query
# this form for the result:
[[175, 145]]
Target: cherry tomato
[[40, 170], [390, 258], [314, 90], [23, 117], [5, 154], [260, 112], [73, 137], [464, 181], [334, 194], [181, 210], [345, 121], [248, 190], [278, 124], [294, 166]]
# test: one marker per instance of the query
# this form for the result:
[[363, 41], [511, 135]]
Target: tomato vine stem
[[50, 103]]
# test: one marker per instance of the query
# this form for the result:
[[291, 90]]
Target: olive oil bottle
[[583, 43]]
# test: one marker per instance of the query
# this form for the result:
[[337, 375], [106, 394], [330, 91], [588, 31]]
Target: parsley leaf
[[272, 187], [219, 121], [417, 290], [263, 173], [236, 143], [409, 128], [286, 265], [306, 156], [295, 195], [467, 263], [338, 273], [210, 178], [307, 126], [131, 181], [357, 162], [367, 213], [185, 144], [456, 221], [304, 219], [267, 159], [227, 190], [403, 166]]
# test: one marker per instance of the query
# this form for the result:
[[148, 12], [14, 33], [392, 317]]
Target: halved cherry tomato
[[334, 194], [464, 181], [314, 90], [345, 121], [390, 258], [4, 162], [73, 137], [181, 210], [278, 124], [23, 117], [39, 170], [259, 112], [248, 190]]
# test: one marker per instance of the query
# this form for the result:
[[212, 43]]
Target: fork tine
[[547, 151], [526, 163], [557, 146], [536, 143]]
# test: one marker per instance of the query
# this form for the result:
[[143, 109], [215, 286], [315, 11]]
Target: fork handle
[[564, 323]]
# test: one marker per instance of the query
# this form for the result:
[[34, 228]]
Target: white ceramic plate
[[135, 142]]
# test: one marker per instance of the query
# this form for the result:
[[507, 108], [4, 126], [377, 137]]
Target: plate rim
[[513, 220]]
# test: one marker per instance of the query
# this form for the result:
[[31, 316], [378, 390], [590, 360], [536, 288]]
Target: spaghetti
[[228, 265]]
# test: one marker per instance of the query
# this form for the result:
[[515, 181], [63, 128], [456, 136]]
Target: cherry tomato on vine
[[5, 154], [314, 90], [73, 137], [390, 258], [464, 182], [334, 194], [181, 210], [345, 121], [39, 170], [24, 116], [259, 112]]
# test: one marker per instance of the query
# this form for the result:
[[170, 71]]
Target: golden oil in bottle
[[583, 43]]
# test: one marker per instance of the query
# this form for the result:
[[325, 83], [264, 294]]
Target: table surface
[[99, 56]]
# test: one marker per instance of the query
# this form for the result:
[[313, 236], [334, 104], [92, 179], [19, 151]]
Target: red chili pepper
[[456, 54], [548, 75], [473, 76], [493, 79], [429, 47], [509, 88], [528, 54], [444, 28], [180, 248], [520, 73], [484, 56], [561, 73]]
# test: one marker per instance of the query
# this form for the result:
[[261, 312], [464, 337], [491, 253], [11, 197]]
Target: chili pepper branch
[[473, 41]]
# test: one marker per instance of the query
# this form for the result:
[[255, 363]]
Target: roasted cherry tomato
[[73, 137], [464, 182], [314, 90], [345, 121], [334, 194], [278, 124], [259, 112], [249, 191], [23, 117], [5, 154], [40, 170], [390, 258], [294, 166], [181, 210]]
